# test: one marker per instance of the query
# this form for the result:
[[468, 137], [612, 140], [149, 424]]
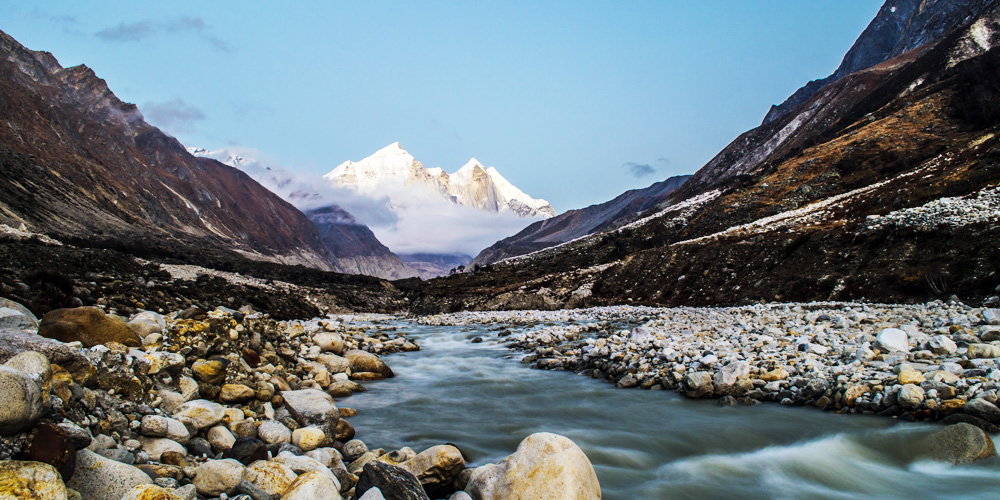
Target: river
[[647, 444]]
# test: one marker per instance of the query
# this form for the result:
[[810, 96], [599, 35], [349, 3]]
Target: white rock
[[200, 413], [220, 438], [274, 432], [99, 478], [312, 485], [544, 466], [156, 447], [891, 340]]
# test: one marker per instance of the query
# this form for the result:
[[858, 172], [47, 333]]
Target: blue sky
[[573, 101]]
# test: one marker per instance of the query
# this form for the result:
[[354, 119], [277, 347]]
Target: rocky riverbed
[[224, 404], [934, 361]]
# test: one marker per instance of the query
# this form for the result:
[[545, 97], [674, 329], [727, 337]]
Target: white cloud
[[407, 219]]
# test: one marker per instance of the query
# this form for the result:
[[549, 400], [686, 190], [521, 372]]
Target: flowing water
[[648, 444]]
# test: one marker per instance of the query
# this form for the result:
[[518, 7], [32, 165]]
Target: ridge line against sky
[[575, 102]]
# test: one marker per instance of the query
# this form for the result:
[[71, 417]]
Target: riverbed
[[647, 444]]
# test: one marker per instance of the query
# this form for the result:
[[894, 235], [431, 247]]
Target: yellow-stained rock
[[150, 492], [30, 481], [776, 374], [911, 377], [236, 393], [854, 392], [272, 477]]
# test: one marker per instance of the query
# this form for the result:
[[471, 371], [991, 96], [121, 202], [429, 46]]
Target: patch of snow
[[22, 233]]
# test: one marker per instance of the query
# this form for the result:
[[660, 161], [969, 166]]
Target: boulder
[[274, 432], [983, 409], [892, 340], [220, 438], [393, 482], [200, 413], [30, 481], [777, 374], [942, 345], [911, 377], [14, 342], [363, 361], [544, 466], [910, 396], [333, 363], [271, 477], [312, 485], [301, 463], [99, 478], [22, 402], [151, 492], [215, 477], [436, 466], [210, 371], [960, 444], [87, 325], [308, 438], [726, 378], [236, 393], [698, 385], [312, 407], [155, 447], [354, 449], [984, 351], [16, 316], [329, 342], [146, 323], [247, 450]]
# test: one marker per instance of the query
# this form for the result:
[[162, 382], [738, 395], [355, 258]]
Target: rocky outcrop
[[82, 166], [899, 27]]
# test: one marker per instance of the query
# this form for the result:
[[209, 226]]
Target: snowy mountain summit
[[474, 185]]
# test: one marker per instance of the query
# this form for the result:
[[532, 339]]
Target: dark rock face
[[355, 247], [899, 27], [573, 224], [247, 450], [393, 482], [78, 164]]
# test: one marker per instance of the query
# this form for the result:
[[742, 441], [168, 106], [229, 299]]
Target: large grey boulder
[[544, 466], [16, 316], [393, 482], [892, 340], [312, 407], [14, 342], [99, 478]]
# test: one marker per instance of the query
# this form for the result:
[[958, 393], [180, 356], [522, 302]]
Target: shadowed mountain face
[[80, 165], [884, 185], [433, 265], [574, 224], [899, 27], [356, 248]]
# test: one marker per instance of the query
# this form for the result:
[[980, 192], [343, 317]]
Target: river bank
[[935, 361]]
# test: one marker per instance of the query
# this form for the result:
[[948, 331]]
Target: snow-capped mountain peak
[[472, 185]]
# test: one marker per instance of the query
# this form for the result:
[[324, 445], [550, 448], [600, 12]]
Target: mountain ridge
[[81, 165]]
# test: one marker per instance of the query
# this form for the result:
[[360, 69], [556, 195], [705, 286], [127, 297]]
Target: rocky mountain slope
[[574, 224], [356, 250], [899, 27], [473, 185], [882, 186], [80, 165]]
